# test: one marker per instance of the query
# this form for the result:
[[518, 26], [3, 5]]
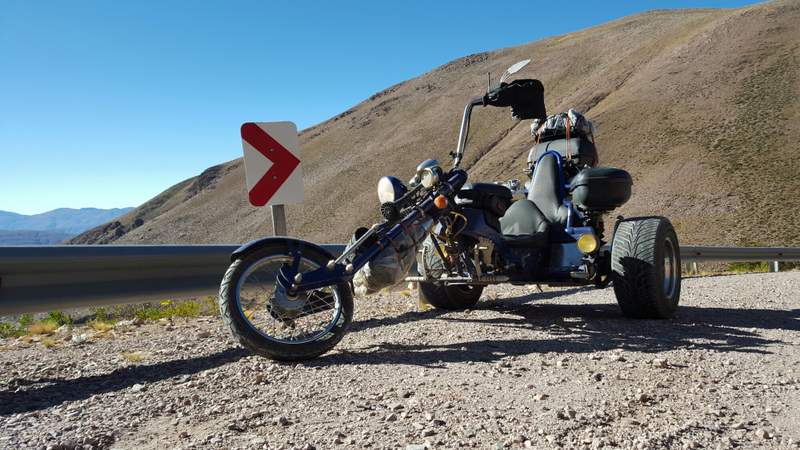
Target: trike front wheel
[[273, 324]]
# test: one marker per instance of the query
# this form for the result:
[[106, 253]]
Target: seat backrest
[[547, 190]]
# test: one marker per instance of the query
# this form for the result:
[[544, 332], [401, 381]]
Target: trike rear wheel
[[646, 268]]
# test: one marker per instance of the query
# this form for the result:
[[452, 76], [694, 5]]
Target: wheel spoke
[[281, 318]]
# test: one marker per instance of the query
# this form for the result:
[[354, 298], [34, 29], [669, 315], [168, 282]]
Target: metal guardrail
[[42, 278], [739, 254]]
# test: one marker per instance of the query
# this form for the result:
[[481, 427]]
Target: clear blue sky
[[107, 103]]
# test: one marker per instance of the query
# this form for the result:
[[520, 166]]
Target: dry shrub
[[43, 327]]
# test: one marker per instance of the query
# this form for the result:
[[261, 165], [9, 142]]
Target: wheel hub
[[284, 306], [669, 269]]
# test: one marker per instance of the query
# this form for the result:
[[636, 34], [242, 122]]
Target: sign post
[[278, 220], [272, 168]]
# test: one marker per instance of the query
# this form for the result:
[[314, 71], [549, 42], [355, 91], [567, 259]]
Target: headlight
[[390, 189]]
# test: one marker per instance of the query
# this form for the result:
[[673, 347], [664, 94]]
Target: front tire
[[646, 268], [247, 303]]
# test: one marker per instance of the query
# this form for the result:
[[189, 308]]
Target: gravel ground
[[542, 370]]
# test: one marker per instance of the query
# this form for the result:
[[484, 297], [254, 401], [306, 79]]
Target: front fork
[[339, 270]]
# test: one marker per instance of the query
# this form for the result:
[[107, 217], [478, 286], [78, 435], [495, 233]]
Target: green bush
[[744, 267], [101, 314], [105, 318], [58, 318], [25, 320], [8, 330], [168, 308]]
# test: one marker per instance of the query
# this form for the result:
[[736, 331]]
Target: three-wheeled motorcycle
[[290, 299]]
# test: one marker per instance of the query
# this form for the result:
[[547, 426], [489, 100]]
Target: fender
[[252, 246]]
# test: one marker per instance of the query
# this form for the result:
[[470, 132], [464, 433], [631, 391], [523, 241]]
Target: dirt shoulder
[[540, 370]]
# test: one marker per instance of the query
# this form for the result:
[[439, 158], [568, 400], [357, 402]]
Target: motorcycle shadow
[[413, 316], [531, 327]]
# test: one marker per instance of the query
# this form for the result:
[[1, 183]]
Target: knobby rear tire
[[251, 339]]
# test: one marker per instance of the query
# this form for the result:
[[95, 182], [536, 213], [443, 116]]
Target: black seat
[[523, 225], [546, 191], [541, 218]]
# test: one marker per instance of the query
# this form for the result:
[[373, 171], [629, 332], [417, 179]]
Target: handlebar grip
[[457, 179]]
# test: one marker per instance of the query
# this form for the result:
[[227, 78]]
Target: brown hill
[[701, 106]]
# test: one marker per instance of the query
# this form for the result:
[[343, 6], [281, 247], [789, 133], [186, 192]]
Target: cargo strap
[[569, 144]]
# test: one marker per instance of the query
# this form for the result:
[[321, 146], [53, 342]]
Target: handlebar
[[464, 131], [525, 97], [418, 199]]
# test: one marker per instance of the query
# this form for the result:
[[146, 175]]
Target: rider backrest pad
[[547, 190]]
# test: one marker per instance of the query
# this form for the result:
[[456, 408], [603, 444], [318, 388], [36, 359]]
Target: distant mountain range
[[32, 237], [54, 226]]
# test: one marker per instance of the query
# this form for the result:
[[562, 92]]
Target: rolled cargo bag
[[393, 263]]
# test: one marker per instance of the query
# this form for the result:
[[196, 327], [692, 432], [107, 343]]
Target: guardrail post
[[775, 266], [694, 268]]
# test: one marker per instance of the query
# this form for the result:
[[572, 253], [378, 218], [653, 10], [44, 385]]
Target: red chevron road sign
[[272, 163]]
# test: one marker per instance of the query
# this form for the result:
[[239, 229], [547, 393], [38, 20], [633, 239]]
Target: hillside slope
[[701, 106]]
